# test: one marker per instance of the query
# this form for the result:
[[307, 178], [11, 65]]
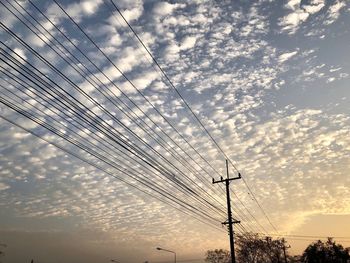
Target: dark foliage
[[325, 252], [217, 256], [251, 248]]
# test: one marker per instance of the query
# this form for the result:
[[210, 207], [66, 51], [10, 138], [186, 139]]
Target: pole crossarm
[[234, 221], [222, 180]]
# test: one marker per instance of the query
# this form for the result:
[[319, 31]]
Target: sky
[[268, 80]]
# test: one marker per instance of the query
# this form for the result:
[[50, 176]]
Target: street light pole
[[159, 248]]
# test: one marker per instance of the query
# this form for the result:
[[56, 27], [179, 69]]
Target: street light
[[159, 248]]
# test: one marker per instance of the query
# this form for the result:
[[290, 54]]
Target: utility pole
[[284, 250], [230, 220]]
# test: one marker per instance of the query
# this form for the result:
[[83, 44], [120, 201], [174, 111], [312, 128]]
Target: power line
[[135, 149], [194, 114], [93, 42], [27, 116], [178, 182], [311, 236], [12, 106], [103, 170], [79, 62]]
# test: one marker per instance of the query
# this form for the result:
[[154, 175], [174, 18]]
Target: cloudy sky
[[102, 158]]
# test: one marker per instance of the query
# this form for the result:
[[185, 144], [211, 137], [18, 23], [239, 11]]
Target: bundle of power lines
[[145, 151]]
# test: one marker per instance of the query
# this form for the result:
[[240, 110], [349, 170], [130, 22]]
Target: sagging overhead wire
[[195, 116], [74, 109], [134, 148]]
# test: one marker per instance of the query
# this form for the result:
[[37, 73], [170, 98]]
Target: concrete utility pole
[[230, 221]]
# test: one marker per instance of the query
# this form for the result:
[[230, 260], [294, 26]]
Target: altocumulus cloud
[[255, 82]]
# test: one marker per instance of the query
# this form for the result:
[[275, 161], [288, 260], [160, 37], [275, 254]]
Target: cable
[[186, 188], [114, 65], [27, 116], [126, 141], [93, 153], [100, 168], [93, 42], [310, 236], [79, 63], [194, 115]]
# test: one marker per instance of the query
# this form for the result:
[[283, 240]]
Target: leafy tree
[[217, 256], [325, 252], [252, 248]]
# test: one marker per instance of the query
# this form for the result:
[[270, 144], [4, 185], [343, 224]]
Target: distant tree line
[[252, 248]]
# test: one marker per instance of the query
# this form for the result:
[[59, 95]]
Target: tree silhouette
[[217, 256], [252, 248], [325, 252]]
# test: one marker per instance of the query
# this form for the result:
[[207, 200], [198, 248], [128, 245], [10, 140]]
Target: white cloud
[[86, 7], [133, 14], [90, 6], [314, 7], [76, 10], [330, 80], [200, 18], [179, 20], [171, 52], [3, 186], [145, 79], [293, 4], [115, 40], [128, 59], [164, 8], [334, 12], [299, 14], [36, 40], [20, 52], [285, 56], [292, 21], [334, 69], [188, 42]]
